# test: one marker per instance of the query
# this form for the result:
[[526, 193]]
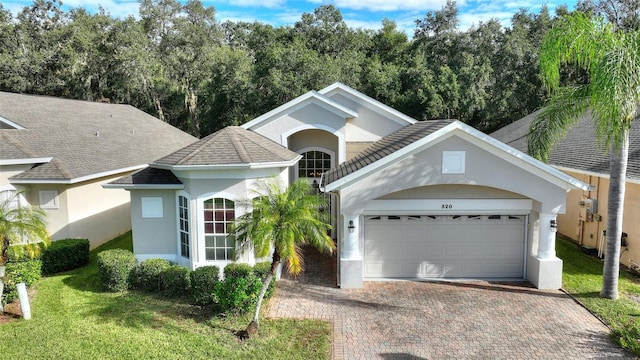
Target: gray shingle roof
[[232, 145], [83, 138], [149, 176], [579, 150], [384, 147]]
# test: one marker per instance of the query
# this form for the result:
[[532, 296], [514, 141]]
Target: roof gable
[[312, 97], [369, 102], [232, 146], [421, 136]]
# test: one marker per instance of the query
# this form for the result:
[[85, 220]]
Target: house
[[579, 155], [62, 151], [413, 200]]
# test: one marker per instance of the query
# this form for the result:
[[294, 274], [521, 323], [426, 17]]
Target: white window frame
[[152, 207], [48, 199], [184, 220], [230, 250]]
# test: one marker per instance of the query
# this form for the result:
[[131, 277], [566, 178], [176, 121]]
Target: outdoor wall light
[[351, 227], [554, 225]]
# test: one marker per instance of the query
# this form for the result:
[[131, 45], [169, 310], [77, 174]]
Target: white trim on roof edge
[[144, 186], [369, 102], [14, 125], [312, 95], [632, 180], [508, 154], [230, 166], [25, 161], [79, 179]]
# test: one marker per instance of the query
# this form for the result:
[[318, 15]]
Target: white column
[[350, 234], [547, 236]]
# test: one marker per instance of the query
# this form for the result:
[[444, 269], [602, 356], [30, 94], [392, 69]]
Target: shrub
[[203, 281], [174, 281], [238, 292], [25, 270], [115, 268], [147, 274], [261, 270], [65, 255]]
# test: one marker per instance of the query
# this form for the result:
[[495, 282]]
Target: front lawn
[[582, 278], [73, 319]]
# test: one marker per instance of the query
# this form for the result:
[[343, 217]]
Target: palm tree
[[611, 59], [20, 224], [282, 220]]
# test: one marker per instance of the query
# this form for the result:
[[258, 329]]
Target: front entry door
[[311, 166]]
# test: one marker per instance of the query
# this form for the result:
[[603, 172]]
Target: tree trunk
[[254, 324], [2, 273], [615, 211]]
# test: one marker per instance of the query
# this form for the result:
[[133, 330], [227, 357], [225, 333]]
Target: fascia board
[[229, 166], [631, 180], [25, 161], [11, 123], [78, 179], [144, 186]]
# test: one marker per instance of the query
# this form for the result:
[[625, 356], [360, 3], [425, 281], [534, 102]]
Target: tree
[[282, 221], [611, 59], [20, 224]]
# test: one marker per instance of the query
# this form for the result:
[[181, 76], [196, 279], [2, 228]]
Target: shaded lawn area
[[73, 319], [582, 278]]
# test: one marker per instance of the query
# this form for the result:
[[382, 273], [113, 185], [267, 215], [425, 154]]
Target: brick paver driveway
[[434, 320]]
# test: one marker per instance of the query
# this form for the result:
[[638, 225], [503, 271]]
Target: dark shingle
[[232, 145], [84, 138], [385, 147], [149, 176], [579, 150]]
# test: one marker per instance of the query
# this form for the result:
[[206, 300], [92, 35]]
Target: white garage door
[[429, 246]]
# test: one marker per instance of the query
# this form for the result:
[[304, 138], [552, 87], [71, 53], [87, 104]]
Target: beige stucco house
[[579, 155], [62, 151], [410, 200]]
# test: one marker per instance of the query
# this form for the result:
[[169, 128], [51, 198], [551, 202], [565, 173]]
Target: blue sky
[[356, 13]]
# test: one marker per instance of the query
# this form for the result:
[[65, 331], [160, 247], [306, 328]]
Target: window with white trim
[[183, 219], [313, 164], [219, 216], [48, 199]]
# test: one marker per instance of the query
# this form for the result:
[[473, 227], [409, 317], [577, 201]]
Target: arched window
[[313, 164], [219, 215], [183, 219]]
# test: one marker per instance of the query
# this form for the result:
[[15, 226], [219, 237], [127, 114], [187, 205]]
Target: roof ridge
[[19, 145], [236, 142]]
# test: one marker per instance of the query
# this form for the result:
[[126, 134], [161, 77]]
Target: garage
[[444, 246]]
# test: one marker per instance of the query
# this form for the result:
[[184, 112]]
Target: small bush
[[237, 270], [148, 273], [203, 281], [115, 268], [261, 270], [65, 255], [237, 294], [26, 270], [174, 281]]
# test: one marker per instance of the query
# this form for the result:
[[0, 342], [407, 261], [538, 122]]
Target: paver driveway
[[434, 320]]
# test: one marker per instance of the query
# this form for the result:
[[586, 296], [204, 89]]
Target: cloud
[[271, 4], [386, 5]]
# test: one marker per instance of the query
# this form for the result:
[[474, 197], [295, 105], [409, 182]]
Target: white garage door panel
[[444, 246]]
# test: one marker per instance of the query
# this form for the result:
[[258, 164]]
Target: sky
[[366, 14]]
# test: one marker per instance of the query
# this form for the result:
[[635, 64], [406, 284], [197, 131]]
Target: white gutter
[[78, 179], [25, 161], [229, 166]]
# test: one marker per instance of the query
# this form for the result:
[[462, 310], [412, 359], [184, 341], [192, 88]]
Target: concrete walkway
[[443, 320]]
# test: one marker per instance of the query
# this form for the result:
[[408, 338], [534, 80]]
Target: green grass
[[582, 278], [73, 319]]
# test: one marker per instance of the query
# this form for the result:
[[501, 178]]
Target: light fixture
[[554, 225], [351, 227]]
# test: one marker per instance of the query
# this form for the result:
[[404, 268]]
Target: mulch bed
[[11, 312]]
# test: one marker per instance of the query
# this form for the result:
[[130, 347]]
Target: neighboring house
[[413, 200], [579, 155], [62, 152]]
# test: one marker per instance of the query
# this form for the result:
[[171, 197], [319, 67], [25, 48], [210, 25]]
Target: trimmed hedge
[[115, 268], [236, 270], [64, 255], [237, 294], [174, 281], [203, 281], [26, 270], [147, 274]]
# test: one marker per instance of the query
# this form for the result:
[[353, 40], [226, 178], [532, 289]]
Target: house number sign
[[446, 206]]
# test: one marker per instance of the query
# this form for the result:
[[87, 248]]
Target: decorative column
[[350, 235], [547, 232]]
